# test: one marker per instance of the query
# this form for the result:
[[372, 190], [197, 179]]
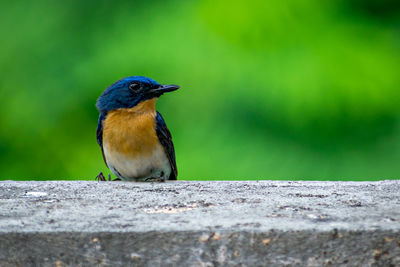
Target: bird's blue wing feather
[[99, 133], [165, 138]]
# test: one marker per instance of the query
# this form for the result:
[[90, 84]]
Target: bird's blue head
[[130, 91]]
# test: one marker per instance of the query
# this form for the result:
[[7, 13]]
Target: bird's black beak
[[163, 89]]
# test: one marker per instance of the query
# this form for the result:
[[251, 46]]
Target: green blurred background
[[269, 89]]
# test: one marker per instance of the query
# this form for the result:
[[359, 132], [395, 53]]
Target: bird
[[135, 142]]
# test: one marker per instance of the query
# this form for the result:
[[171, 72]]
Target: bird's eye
[[134, 86]]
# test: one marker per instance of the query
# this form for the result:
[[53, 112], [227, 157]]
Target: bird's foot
[[101, 177], [155, 179]]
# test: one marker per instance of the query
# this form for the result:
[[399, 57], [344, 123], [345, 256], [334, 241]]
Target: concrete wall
[[70, 223]]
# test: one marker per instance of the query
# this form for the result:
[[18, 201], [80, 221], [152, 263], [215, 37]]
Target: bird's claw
[[100, 177], [155, 179]]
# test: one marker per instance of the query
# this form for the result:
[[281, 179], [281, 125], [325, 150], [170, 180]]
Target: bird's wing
[[99, 133], [166, 141]]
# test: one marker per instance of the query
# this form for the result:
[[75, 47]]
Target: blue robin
[[134, 139]]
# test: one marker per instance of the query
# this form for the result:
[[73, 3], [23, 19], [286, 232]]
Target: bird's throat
[[148, 106]]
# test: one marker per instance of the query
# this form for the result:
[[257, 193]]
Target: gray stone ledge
[[242, 223]]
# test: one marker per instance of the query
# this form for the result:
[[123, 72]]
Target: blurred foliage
[[270, 89]]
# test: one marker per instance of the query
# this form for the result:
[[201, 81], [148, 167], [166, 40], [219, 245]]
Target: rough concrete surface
[[236, 223]]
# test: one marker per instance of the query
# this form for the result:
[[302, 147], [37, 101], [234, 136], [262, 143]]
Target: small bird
[[134, 139]]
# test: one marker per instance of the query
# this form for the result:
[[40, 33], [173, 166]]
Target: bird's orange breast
[[131, 132]]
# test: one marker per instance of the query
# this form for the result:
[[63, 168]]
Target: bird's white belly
[[154, 165]]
